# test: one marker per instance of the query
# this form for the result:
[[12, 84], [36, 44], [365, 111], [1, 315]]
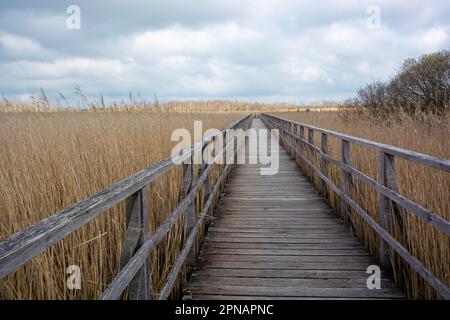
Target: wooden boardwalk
[[275, 237]]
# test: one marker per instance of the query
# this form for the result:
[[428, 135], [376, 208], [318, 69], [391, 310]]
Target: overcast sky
[[259, 49]]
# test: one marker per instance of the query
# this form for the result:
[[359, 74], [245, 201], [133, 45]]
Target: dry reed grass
[[42, 104], [428, 187], [52, 160]]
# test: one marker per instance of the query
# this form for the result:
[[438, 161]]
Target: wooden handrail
[[430, 161], [292, 133], [24, 245]]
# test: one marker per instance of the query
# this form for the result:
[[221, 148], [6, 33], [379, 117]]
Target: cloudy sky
[[257, 49]]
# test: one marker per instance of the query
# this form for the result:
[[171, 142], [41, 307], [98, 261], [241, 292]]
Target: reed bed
[[428, 187], [42, 104], [51, 160]]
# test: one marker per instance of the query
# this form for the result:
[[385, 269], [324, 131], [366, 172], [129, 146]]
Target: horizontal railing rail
[[134, 274], [292, 134]]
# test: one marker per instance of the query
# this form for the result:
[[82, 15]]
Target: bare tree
[[420, 85]]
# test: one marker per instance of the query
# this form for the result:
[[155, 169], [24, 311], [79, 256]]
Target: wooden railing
[[135, 272], [293, 135]]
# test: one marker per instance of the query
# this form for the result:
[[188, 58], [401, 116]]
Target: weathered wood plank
[[286, 282], [285, 256], [297, 291], [269, 245], [338, 229], [330, 253], [269, 298], [280, 235], [208, 271]]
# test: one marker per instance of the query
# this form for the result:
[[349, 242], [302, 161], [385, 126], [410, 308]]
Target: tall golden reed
[[51, 160]]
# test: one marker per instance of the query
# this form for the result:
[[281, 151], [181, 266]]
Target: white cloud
[[433, 39], [65, 67], [19, 44]]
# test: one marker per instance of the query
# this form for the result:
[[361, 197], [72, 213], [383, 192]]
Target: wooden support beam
[[384, 218], [311, 151], [346, 181], [323, 162], [191, 213], [390, 214], [137, 224]]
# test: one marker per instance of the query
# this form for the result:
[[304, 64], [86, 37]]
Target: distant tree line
[[421, 85]]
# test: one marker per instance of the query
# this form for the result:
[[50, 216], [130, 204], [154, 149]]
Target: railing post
[[346, 159], [323, 162], [292, 139], [224, 149], [311, 151], [298, 144], [191, 211], [207, 186], [384, 215], [137, 224], [385, 220], [311, 137], [389, 211], [302, 136]]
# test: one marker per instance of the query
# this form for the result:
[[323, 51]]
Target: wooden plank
[[275, 206], [287, 282], [268, 245], [269, 226], [297, 291], [292, 218], [282, 216], [338, 229], [279, 235], [208, 271], [269, 298], [287, 265], [285, 248], [329, 253], [285, 256]]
